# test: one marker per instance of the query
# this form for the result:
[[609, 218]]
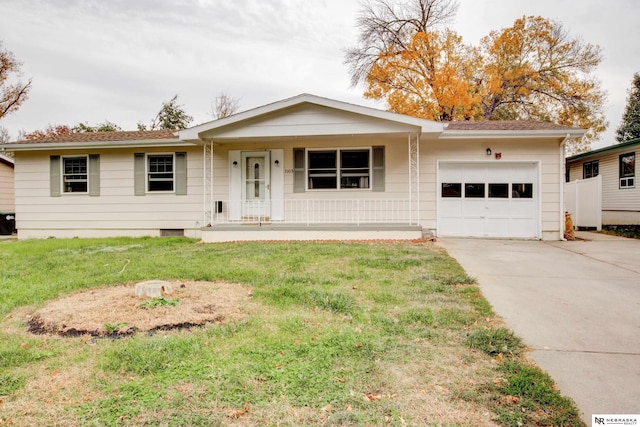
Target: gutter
[[48, 146], [562, 181], [502, 134]]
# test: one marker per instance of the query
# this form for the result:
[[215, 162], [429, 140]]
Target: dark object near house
[[7, 223]]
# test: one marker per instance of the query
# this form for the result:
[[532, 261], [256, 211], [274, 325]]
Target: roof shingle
[[106, 136], [513, 125]]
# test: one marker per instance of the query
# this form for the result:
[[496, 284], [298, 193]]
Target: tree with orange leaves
[[533, 70], [13, 92]]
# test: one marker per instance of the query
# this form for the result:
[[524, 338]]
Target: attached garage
[[489, 199]]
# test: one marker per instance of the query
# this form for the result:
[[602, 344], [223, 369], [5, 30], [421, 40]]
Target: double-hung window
[[339, 169], [75, 174], [160, 175], [590, 169], [627, 170]]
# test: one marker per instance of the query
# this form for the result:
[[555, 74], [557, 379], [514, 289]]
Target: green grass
[[159, 302], [336, 334]]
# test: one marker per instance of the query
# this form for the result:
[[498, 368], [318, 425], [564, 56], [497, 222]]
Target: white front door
[[256, 185]]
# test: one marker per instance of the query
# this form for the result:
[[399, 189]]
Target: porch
[[312, 219]]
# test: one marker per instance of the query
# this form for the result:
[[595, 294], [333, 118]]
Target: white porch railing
[[314, 211]]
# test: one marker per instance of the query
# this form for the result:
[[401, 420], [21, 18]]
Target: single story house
[[306, 167], [616, 164]]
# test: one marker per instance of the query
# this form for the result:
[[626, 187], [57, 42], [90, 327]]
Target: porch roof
[[308, 116]]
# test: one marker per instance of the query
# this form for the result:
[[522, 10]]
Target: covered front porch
[[309, 168]]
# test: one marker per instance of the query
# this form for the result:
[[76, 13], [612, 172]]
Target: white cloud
[[92, 60]]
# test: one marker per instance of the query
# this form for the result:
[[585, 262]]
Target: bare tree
[[387, 26], [4, 135], [223, 106]]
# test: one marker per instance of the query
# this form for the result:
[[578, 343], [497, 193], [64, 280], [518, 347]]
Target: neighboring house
[[616, 165], [302, 168], [7, 196], [7, 192]]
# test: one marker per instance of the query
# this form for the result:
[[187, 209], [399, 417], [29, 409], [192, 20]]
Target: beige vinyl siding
[[117, 211], [396, 166], [7, 193], [547, 152]]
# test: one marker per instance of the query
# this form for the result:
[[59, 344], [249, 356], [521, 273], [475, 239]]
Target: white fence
[[335, 211], [583, 200]]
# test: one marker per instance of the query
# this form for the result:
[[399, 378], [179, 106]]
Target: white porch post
[[414, 179], [208, 183]]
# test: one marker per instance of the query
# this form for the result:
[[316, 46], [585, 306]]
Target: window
[[474, 191], [590, 169], [160, 172], [627, 170], [75, 177], [323, 169], [522, 191], [333, 169], [495, 191], [499, 191], [451, 190]]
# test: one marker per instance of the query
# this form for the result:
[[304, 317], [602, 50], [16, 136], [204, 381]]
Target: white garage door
[[495, 199]]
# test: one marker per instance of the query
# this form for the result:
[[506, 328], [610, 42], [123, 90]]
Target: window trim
[[147, 173], [590, 163], [338, 168], [626, 180], [63, 174]]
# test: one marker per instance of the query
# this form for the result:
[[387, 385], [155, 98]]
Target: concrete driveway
[[575, 304]]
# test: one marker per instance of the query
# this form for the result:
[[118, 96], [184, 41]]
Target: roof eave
[[147, 143], [498, 134], [611, 148]]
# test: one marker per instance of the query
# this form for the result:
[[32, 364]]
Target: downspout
[[418, 178], [562, 181]]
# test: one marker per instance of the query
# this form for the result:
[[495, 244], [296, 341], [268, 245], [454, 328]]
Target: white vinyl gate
[[583, 200]]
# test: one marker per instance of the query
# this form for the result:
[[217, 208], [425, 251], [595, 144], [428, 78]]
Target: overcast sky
[[118, 60]]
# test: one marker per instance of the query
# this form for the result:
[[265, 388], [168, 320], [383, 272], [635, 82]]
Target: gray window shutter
[[378, 169], [139, 174], [298, 170], [94, 174], [54, 176], [181, 174]]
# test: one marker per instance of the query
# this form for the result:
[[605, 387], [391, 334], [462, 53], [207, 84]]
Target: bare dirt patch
[[117, 311]]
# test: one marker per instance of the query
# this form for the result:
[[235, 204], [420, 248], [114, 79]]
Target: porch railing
[[314, 211]]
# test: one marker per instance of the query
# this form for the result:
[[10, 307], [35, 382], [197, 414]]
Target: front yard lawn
[[350, 334]]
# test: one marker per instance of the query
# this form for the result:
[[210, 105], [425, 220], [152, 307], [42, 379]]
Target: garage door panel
[[510, 206], [473, 208]]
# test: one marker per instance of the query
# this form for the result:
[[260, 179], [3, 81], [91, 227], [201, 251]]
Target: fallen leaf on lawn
[[327, 408], [499, 358], [237, 414], [339, 380], [511, 399], [55, 373], [371, 397], [349, 408], [261, 379]]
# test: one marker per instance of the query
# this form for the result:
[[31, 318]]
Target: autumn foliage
[[533, 70], [13, 92]]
